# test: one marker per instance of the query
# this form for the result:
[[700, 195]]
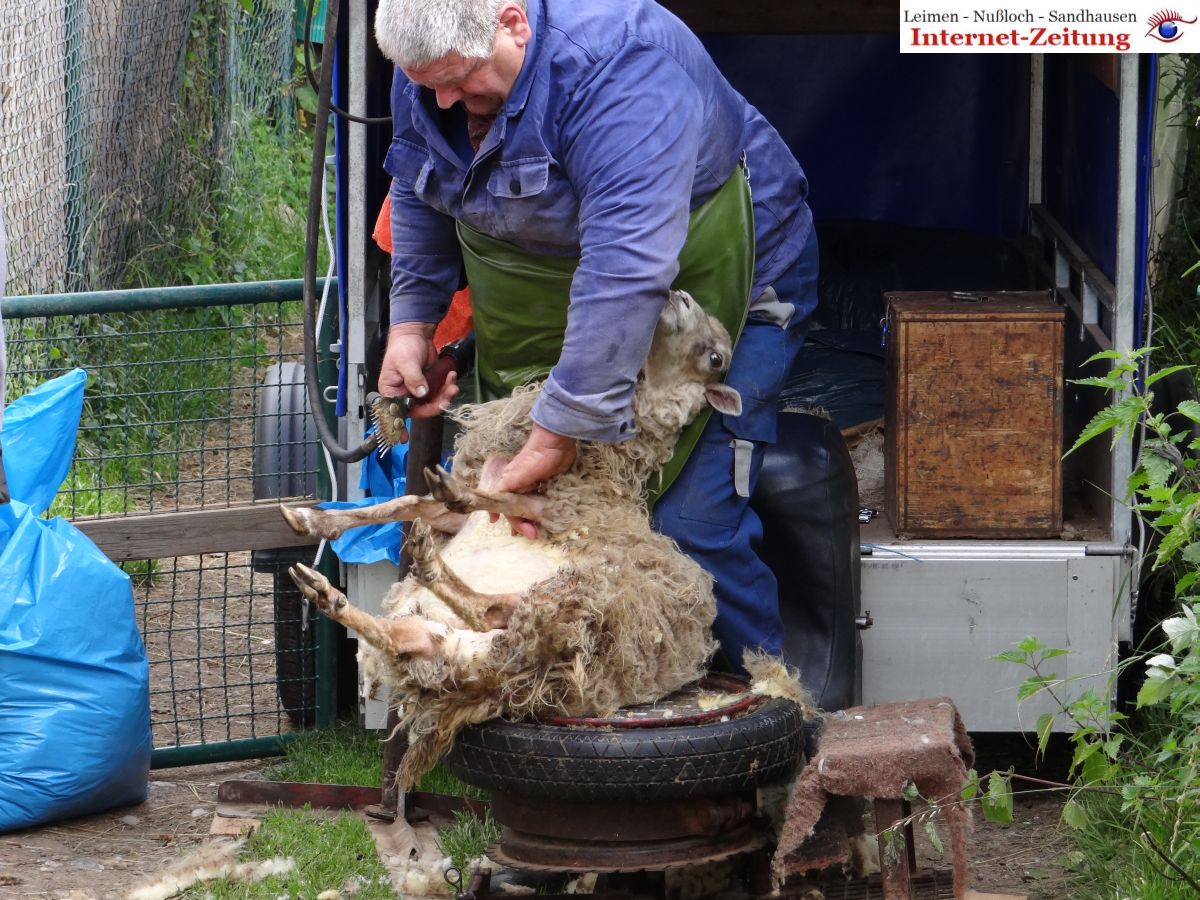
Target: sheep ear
[[723, 399]]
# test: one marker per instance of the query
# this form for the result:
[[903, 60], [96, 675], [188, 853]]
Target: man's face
[[473, 82], [480, 85]]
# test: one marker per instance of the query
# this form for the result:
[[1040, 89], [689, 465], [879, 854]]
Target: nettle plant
[[1154, 769]]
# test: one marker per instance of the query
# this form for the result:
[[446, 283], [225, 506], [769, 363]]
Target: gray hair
[[415, 33]]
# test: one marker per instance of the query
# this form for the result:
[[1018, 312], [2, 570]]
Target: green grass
[[1117, 861], [467, 839], [344, 754], [330, 854]]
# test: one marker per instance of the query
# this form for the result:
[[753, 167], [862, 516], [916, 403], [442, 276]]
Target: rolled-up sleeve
[[631, 139]]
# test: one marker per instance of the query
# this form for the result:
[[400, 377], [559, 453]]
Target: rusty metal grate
[[930, 885]]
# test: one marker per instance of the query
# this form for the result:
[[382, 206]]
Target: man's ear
[[723, 399], [516, 21]]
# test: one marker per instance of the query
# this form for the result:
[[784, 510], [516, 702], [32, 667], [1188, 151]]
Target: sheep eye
[[715, 359]]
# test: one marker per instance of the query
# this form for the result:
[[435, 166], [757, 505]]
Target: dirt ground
[[101, 857]]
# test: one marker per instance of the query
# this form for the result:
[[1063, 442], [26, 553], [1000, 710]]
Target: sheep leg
[[480, 612], [333, 523], [398, 637], [459, 498]]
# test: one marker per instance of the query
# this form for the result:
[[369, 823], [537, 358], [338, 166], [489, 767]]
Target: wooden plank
[[192, 532], [795, 17]]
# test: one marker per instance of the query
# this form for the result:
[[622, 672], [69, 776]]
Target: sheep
[[598, 613]]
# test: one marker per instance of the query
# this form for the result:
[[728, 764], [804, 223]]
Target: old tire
[[295, 652], [760, 747]]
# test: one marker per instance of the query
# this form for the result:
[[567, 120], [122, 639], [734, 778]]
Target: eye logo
[[1164, 25]]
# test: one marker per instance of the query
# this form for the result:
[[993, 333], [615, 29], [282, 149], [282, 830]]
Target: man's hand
[[410, 352], [544, 455]]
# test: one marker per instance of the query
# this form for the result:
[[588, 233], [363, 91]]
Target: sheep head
[[690, 353]]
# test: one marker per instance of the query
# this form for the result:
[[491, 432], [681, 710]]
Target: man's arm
[[632, 158], [426, 265]]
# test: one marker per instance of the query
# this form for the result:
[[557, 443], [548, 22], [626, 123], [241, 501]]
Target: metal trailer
[[1052, 149]]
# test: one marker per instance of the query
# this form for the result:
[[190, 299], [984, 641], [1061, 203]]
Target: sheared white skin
[[491, 560]]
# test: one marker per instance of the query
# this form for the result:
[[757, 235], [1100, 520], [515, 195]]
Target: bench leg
[[896, 867]]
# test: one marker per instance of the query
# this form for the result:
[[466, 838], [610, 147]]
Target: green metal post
[[225, 751], [162, 298]]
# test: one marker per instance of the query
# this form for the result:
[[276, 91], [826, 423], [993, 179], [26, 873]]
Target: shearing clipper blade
[[388, 415]]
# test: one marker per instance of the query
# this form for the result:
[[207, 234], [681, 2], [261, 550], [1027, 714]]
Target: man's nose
[[447, 96]]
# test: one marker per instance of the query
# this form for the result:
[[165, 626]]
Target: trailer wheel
[[760, 746], [285, 465], [295, 651]]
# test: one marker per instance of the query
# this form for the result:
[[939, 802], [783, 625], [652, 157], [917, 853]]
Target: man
[[578, 160]]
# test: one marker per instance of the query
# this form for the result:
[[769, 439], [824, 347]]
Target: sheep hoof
[[305, 520], [297, 519], [449, 490], [314, 586], [420, 547]]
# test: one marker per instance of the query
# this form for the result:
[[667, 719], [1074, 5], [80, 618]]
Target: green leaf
[[1104, 354], [1033, 685], [1030, 644], [1190, 409], [971, 788], [1163, 373], [1012, 656], [998, 802], [1179, 535], [307, 98], [248, 6], [1111, 382], [1186, 580], [1154, 690], [910, 793], [1052, 652], [1108, 419], [1074, 815], [935, 838], [1160, 471], [1095, 768], [1045, 727]]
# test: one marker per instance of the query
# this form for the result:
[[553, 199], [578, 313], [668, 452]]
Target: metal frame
[[196, 533]]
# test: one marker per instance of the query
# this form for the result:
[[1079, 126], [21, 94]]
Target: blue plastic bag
[[382, 477], [74, 692]]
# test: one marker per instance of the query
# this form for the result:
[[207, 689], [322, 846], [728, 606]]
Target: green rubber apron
[[520, 299]]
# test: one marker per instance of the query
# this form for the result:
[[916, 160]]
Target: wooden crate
[[974, 414]]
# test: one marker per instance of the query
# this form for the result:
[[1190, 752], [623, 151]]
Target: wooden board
[[973, 439], [192, 532]]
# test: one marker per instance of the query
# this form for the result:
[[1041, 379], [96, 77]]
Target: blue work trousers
[[707, 508]]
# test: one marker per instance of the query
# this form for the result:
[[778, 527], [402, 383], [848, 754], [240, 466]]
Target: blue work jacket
[[618, 125]]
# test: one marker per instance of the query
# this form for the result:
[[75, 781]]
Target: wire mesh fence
[[101, 140], [181, 404]]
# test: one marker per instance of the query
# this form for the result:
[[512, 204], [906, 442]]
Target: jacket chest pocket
[[534, 201], [414, 167]]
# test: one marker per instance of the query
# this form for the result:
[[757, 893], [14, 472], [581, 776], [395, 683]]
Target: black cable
[[312, 79]]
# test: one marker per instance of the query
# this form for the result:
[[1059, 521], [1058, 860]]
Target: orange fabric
[[458, 320], [382, 234]]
